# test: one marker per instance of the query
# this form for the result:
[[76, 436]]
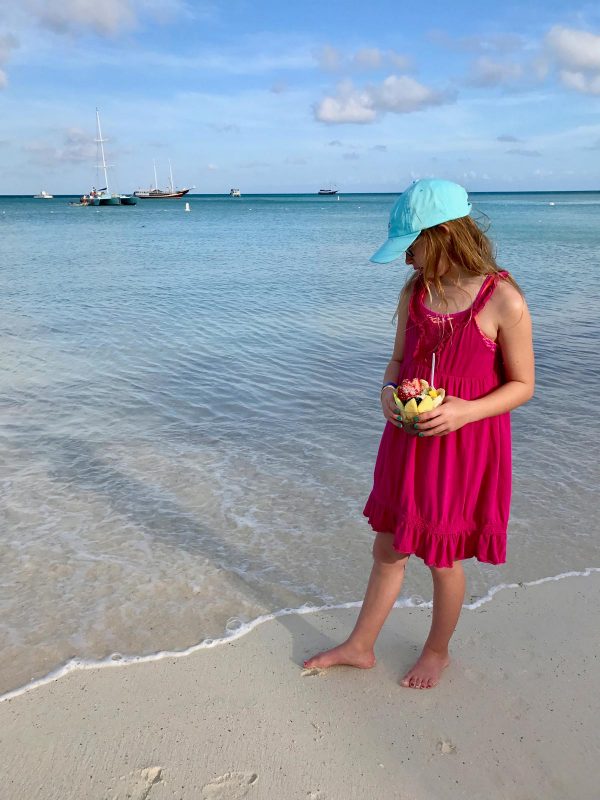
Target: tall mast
[[101, 141], [155, 178], [171, 174]]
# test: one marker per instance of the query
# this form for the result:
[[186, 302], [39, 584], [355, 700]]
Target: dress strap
[[487, 290]]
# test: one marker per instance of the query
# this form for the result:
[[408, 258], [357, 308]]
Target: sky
[[294, 96]]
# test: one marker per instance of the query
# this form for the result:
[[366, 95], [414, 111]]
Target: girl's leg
[[448, 596], [384, 587]]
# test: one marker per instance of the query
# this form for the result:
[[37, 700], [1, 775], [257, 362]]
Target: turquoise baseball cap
[[425, 204]]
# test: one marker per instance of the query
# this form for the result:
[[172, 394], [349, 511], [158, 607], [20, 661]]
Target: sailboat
[[155, 193], [103, 197]]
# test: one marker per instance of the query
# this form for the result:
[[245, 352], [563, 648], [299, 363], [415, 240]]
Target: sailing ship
[[235, 193], [330, 190], [154, 193], [104, 197]]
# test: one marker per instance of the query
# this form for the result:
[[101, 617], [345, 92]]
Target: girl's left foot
[[427, 672]]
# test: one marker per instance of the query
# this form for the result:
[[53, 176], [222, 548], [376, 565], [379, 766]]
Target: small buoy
[[187, 207], [551, 204]]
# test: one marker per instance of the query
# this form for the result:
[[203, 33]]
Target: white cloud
[[402, 94], [576, 54], [368, 58], [500, 43], [586, 84], [350, 105], [398, 94], [574, 50], [329, 58], [398, 60], [8, 43], [77, 147], [106, 18], [487, 72]]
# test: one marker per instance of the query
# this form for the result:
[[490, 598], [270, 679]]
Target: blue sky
[[275, 97]]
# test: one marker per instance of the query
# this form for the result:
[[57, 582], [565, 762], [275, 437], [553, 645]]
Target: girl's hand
[[450, 416], [389, 408]]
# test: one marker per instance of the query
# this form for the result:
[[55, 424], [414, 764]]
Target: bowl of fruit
[[415, 396]]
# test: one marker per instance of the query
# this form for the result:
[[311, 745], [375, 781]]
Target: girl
[[442, 482]]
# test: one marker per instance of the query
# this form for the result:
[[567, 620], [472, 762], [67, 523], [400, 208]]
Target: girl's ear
[[443, 227]]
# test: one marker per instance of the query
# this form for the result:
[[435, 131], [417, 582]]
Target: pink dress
[[447, 498]]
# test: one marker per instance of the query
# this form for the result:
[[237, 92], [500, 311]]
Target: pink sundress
[[447, 498]]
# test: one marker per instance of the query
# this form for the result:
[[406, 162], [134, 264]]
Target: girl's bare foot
[[427, 672], [344, 654]]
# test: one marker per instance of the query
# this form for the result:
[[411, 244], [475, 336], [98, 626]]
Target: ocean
[[190, 417]]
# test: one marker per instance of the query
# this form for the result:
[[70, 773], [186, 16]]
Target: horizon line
[[315, 194]]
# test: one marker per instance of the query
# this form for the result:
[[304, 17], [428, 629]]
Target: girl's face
[[415, 254]]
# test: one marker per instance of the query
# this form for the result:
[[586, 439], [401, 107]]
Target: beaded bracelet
[[391, 385]]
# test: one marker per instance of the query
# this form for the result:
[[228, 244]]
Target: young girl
[[442, 482]]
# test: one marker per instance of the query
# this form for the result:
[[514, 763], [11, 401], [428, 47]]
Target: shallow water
[[190, 418]]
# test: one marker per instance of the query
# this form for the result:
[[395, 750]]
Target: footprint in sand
[[137, 785], [445, 746], [308, 672], [230, 786]]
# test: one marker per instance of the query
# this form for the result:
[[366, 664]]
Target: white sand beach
[[516, 716]]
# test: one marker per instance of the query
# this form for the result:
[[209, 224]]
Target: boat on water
[[330, 190], [235, 193], [103, 197], [154, 193], [43, 196]]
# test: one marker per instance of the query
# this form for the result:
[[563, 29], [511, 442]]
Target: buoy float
[[187, 207]]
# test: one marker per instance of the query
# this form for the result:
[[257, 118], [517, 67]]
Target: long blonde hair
[[465, 246]]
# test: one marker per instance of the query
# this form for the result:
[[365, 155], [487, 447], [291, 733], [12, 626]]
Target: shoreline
[[118, 660], [514, 717]]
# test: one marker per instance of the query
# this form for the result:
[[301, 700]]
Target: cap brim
[[394, 248]]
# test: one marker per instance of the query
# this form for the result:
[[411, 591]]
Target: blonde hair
[[465, 245]]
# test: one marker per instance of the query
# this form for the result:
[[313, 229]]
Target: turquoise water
[[190, 417]]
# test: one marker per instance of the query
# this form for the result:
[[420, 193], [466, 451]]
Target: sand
[[516, 716]]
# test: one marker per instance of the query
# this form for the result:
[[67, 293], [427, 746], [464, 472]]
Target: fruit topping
[[409, 388]]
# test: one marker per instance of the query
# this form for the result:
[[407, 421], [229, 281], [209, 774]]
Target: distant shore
[[515, 716]]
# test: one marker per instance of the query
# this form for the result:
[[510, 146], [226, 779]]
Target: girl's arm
[[516, 344]]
